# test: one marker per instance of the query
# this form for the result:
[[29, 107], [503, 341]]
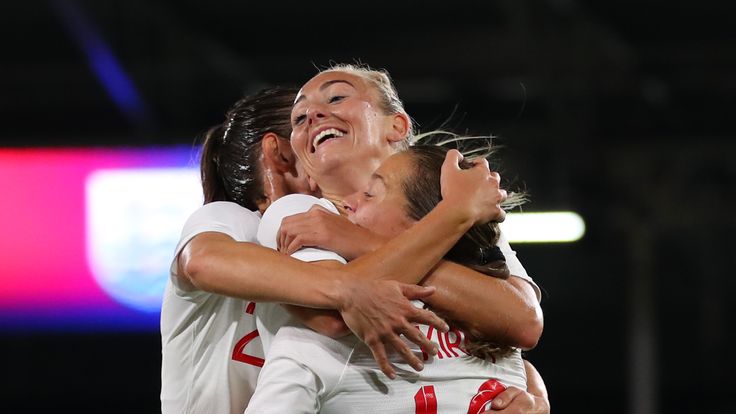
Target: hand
[[322, 228], [474, 191], [515, 401], [379, 311]]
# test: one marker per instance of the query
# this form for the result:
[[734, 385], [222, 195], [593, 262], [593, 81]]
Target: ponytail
[[213, 186], [229, 164]]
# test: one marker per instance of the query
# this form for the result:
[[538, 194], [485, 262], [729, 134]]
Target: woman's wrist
[[456, 215]]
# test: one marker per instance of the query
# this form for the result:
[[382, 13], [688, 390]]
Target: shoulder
[[225, 209], [284, 207], [224, 217], [294, 204]]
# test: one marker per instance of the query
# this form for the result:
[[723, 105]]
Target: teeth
[[322, 135]]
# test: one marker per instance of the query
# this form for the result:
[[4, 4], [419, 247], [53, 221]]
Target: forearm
[[325, 321], [535, 383], [216, 263], [409, 256], [503, 311]]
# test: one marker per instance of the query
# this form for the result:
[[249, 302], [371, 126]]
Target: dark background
[[619, 110]]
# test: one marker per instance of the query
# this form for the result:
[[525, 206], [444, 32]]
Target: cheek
[[389, 222], [397, 223], [298, 141]]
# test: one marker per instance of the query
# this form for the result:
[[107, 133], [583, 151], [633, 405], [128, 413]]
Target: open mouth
[[324, 136]]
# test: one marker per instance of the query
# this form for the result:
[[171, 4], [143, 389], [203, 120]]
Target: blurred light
[[102, 61], [549, 227], [134, 219], [89, 233]]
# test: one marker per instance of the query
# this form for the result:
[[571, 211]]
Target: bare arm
[[214, 262], [503, 311]]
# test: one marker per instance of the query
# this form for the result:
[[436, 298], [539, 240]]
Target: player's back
[[343, 377], [447, 384]]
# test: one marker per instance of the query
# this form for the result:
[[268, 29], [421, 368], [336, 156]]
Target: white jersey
[[306, 372], [272, 316], [211, 353]]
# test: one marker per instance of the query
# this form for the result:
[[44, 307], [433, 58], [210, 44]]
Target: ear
[[400, 126], [277, 153], [313, 185]]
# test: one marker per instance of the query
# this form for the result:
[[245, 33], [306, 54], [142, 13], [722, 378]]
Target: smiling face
[[340, 131], [381, 207]]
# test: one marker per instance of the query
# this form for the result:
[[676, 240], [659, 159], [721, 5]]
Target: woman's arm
[[503, 311], [514, 317], [216, 263], [377, 311]]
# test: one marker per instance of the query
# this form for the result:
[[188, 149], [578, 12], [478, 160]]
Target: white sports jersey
[[272, 316], [211, 353], [306, 372]]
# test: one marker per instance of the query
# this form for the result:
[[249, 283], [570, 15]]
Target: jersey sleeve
[[514, 265], [220, 216], [285, 386], [287, 206]]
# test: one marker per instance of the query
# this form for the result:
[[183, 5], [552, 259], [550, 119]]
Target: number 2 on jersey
[[239, 350]]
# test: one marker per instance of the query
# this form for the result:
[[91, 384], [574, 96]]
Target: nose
[[350, 203], [316, 112]]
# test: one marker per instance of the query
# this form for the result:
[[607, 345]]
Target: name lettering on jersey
[[448, 342]]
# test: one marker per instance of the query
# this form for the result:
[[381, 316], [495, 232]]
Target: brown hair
[[229, 166], [476, 248]]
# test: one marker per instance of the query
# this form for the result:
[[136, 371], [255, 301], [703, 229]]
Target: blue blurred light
[[102, 60]]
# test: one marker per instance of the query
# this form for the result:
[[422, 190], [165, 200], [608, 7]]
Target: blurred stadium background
[[620, 111]]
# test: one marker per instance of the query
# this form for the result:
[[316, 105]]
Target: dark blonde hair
[[388, 96]]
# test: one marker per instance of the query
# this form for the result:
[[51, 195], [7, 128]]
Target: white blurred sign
[[134, 220]]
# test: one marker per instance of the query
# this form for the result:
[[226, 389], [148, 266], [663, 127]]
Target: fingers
[[423, 316], [482, 163], [416, 336], [416, 291], [503, 399], [427, 317], [292, 245], [405, 353], [452, 161], [379, 354]]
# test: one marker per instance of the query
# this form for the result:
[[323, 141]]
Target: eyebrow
[[325, 86], [376, 176]]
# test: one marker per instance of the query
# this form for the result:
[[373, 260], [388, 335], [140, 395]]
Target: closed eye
[[299, 119], [336, 98]]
